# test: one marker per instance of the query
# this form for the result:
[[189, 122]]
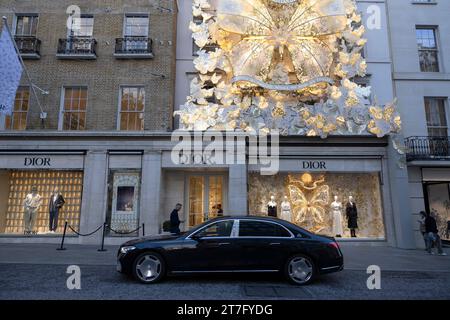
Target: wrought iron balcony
[[77, 48], [428, 148], [29, 46], [134, 48]]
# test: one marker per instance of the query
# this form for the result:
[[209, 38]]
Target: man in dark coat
[[433, 234], [175, 220], [352, 216], [55, 204]]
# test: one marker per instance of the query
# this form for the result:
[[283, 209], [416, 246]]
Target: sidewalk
[[356, 257]]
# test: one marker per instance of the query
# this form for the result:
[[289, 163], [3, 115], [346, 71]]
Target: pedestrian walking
[[422, 217], [433, 236], [175, 220], [219, 210], [447, 232]]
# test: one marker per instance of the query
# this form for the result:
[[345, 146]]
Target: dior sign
[[42, 161], [314, 165], [37, 162], [217, 148]]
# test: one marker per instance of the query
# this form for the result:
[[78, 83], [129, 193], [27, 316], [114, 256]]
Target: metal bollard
[[103, 238], [63, 238], [143, 229]]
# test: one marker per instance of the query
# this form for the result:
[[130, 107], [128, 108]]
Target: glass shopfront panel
[[124, 197], [28, 201], [438, 198], [308, 200], [206, 196]]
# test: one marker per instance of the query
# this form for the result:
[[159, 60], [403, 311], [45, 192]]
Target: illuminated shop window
[[123, 212], [17, 185], [312, 201]]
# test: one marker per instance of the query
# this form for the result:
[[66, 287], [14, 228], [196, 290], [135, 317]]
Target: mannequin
[[286, 210], [352, 216], [272, 207], [55, 204], [336, 210], [31, 207]]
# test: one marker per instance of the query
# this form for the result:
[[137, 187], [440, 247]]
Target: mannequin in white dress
[[286, 210], [336, 211]]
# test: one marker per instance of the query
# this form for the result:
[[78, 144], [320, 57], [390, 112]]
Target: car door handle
[[224, 243], [275, 243]]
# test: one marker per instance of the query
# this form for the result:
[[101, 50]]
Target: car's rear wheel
[[300, 269], [149, 267]]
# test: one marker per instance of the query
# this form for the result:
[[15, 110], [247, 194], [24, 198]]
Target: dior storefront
[[318, 185], [89, 180], [342, 191], [36, 185]]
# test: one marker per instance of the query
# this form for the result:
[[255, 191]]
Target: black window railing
[[134, 45], [77, 46], [28, 44], [427, 148]]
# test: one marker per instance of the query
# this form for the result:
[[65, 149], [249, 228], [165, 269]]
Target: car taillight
[[336, 246]]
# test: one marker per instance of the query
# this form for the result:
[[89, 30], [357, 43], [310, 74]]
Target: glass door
[[196, 208], [206, 195]]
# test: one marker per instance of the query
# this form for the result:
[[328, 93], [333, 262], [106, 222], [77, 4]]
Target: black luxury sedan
[[233, 244]]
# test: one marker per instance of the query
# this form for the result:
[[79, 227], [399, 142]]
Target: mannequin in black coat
[[352, 216]]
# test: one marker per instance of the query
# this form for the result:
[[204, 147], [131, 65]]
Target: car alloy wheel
[[149, 267], [300, 269]]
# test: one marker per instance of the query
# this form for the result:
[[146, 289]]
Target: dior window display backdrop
[[346, 205], [123, 201]]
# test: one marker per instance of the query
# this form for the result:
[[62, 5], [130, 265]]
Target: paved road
[[41, 281]]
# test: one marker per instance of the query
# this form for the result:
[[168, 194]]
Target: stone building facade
[[421, 60], [127, 177]]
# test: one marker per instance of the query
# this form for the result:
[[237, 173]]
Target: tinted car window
[[219, 229], [261, 229]]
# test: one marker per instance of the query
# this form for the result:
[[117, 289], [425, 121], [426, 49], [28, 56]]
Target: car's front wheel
[[149, 267], [300, 269]]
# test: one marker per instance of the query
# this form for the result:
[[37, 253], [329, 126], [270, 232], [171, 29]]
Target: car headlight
[[125, 250]]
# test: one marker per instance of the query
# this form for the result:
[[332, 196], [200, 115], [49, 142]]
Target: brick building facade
[[103, 74]]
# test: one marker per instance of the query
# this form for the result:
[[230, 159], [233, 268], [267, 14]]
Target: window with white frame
[[428, 49], [26, 25], [131, 108], [18, 119], [82, 27], [436, 117], [73, 109], [136, 28]]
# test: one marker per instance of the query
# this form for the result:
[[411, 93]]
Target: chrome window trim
[[225, 271], [328, 268], [235, 233], [267, 237], [209, 224]]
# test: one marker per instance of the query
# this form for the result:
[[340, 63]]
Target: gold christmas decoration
[[282, 64]]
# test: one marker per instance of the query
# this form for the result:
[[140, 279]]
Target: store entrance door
[[438, 200], [206, 198]]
